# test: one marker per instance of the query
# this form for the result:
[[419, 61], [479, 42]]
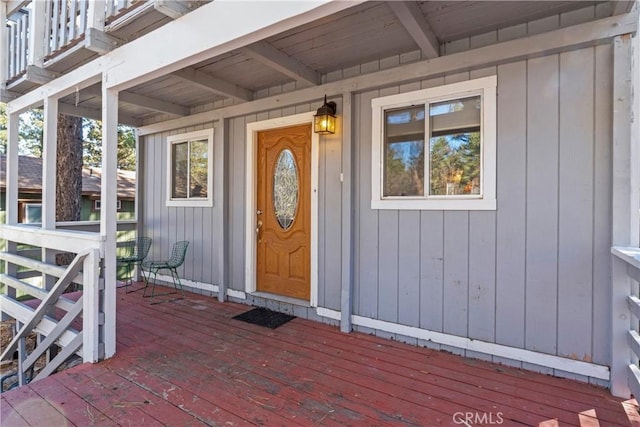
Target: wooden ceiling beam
[[153, 104], [281, 62], [144, 102], [91, 113], [214, 84], [413, 20]]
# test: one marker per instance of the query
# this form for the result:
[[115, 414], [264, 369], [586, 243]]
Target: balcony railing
[[17, 28], [42, 29], [625, 370], [65, 24]]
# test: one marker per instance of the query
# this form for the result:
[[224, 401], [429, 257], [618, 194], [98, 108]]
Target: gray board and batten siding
[[533, 274], [167, 225]]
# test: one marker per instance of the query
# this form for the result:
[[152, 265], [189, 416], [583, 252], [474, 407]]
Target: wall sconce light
[[324, 121]]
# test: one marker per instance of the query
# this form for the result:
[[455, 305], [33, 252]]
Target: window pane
[[454, 147], [285, 189], [404, 152], [33, 213], [199, 157], [179, 172]]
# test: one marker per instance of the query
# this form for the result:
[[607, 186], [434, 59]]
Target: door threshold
[[281, 298]]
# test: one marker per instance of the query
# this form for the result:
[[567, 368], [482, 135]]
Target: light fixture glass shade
[[324, 124], [324, 121]]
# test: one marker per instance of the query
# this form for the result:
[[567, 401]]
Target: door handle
[[259, 226]]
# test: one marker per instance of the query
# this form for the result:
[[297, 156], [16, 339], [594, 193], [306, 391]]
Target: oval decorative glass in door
[[285, 189]]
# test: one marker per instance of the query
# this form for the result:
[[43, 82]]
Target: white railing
[[52, 319], [17, 28], [66, 23], [116, 7], [625, 368]]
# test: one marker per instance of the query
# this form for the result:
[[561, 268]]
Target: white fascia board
[[230, 26]]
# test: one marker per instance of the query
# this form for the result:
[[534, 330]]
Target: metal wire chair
[[178, 253], [135, 251]]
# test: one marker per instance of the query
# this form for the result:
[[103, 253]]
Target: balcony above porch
[[45, 39]]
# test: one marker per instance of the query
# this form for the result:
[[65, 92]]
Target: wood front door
[[283, 215]]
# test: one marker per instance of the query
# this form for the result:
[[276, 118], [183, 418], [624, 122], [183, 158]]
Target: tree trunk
[[68, 174]]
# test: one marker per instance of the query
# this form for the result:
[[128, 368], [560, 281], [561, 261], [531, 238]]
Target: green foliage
[[455, 164], [92, 147], [30, 139], [404, 169], [30, 132]]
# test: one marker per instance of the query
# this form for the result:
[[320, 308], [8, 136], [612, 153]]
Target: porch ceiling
[[300, 57]]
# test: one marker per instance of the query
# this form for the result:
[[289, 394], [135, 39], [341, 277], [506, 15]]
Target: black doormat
[[264, 317]]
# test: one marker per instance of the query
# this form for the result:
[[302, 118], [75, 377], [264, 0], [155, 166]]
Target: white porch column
[[49, 182], [11, 182], [622, 216], [96, 14], [4, 52], [11, 196], [49, 155], [346, 304], [37, 36], [108, 211], [635, 142]]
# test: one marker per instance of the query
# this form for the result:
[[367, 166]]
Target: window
[[190, 169], [97, 205], [32, 213], [436, 148]]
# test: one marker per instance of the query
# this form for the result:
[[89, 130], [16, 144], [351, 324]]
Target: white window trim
[[97, 204], [486, 87], [186, 137]]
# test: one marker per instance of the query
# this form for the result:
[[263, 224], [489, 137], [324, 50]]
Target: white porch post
[[96, 14], [37, 36], [4, 40], [621, 354], [635, 141], [346, 303], [11, 180], [108, 211], [49, 184], [11, 195], [49, 155]]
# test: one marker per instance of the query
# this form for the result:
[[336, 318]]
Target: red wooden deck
[[188, 363]]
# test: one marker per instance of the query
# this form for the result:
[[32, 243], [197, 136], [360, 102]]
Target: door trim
[[250, 199]]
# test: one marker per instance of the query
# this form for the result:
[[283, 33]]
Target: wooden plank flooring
[[188, 362]]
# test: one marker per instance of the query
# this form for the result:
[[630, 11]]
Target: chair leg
[[176, 281], [127, 276], [129, 281], [153, 288], [153, 284]]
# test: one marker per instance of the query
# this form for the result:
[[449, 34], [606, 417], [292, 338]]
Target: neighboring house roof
[[30, 178]]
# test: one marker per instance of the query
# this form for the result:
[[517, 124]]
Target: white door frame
[[251, 184]]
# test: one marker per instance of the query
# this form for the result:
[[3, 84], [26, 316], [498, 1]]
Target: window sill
[[435, 205], [190, 203]]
